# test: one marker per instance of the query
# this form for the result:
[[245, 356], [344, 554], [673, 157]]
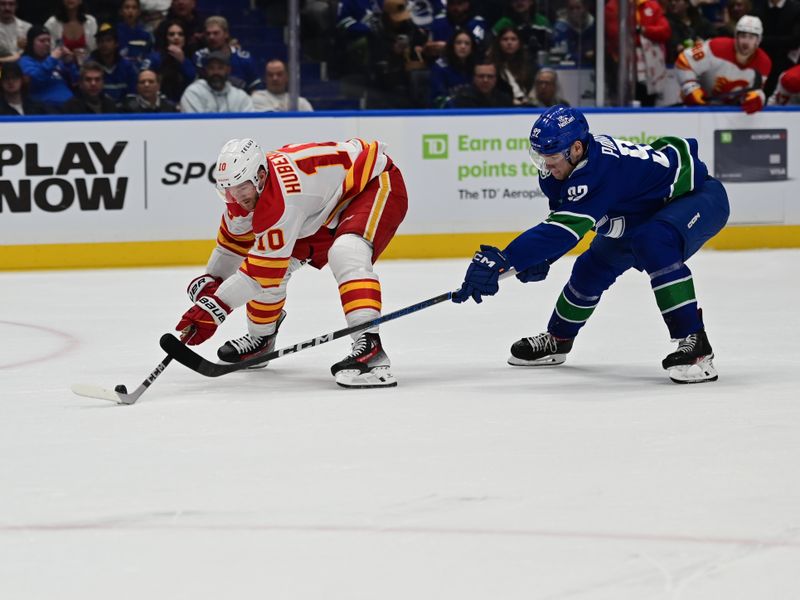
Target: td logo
[[434, 146]]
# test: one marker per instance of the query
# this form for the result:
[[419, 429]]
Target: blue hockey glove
[[535, 273], [482, 275]]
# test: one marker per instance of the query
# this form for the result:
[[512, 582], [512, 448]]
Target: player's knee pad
[[657, 245], [350, 257]]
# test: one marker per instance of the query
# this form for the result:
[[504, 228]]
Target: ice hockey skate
[[691, 362], [541, 350], [367, 365], [248, 345]]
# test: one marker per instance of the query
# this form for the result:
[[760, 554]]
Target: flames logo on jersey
[[723, 85]]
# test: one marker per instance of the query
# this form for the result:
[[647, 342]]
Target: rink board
[[128, 192]]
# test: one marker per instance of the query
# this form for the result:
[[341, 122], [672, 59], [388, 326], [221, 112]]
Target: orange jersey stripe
[[239, 244], [361, 293], [378, 206], [360, 304], [682, 62], [359, 284], [258, 314], [263, 276], [360, 172]]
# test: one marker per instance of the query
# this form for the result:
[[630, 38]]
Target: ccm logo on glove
[[485, 260]]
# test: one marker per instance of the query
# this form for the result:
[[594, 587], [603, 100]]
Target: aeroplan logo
[[434, 146]]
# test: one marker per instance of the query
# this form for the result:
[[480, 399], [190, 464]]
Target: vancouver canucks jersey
[[616, 187]]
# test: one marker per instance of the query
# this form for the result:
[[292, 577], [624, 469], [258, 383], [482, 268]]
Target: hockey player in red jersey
[[726, 70], [336, 203], [788, 89]]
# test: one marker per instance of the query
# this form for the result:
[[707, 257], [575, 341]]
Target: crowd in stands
[[129, 56], [107, 56]]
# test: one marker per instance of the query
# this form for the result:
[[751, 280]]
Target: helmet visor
[[544, 162]]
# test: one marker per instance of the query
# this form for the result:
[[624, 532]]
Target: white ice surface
[[598, 479]]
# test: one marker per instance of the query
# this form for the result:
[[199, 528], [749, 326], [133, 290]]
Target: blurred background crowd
[[127, 56]]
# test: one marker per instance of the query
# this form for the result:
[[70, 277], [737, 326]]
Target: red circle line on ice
[[68, 342]]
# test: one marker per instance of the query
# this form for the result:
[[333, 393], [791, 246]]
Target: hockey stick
[[189, 358], [120, 393]]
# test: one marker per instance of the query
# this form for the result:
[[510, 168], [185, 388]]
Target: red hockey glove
[[204, 318], [697, 97], [753, 101], [205, 285]]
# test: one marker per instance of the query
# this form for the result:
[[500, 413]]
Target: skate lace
[[246, 343], [688, 344], [543, 341], [361, 346]]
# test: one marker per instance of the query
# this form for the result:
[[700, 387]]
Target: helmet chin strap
[[568, 155]]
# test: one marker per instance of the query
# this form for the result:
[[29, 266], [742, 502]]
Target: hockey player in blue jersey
[[651, 206]]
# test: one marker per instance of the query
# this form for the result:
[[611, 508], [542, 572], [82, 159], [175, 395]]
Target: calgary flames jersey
[[308, 186], [788, 88], [712, 65]]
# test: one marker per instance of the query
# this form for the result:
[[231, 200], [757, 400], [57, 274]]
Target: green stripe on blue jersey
[[684, 173], [571, 312], [577, 225], [675, 294]]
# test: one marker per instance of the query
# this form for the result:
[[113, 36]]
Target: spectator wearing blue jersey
[[171, 62], [135, 42], [48, 73], [452, 71], [119, 74], [244, 73], [651, 206], [574, 35], [459, 16]]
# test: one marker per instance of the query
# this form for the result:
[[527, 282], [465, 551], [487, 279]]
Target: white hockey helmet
[[239, 161], [750, 24]]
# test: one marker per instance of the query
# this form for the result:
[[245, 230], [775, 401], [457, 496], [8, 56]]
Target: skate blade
[[377, 377], [548, 361], [701, 372]]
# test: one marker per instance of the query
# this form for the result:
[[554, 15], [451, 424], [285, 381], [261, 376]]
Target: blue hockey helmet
[[555, 131]]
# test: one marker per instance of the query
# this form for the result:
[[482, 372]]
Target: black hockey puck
[[121, 389]]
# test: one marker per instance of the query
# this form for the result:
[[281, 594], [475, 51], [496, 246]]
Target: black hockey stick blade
[[189, 358]]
